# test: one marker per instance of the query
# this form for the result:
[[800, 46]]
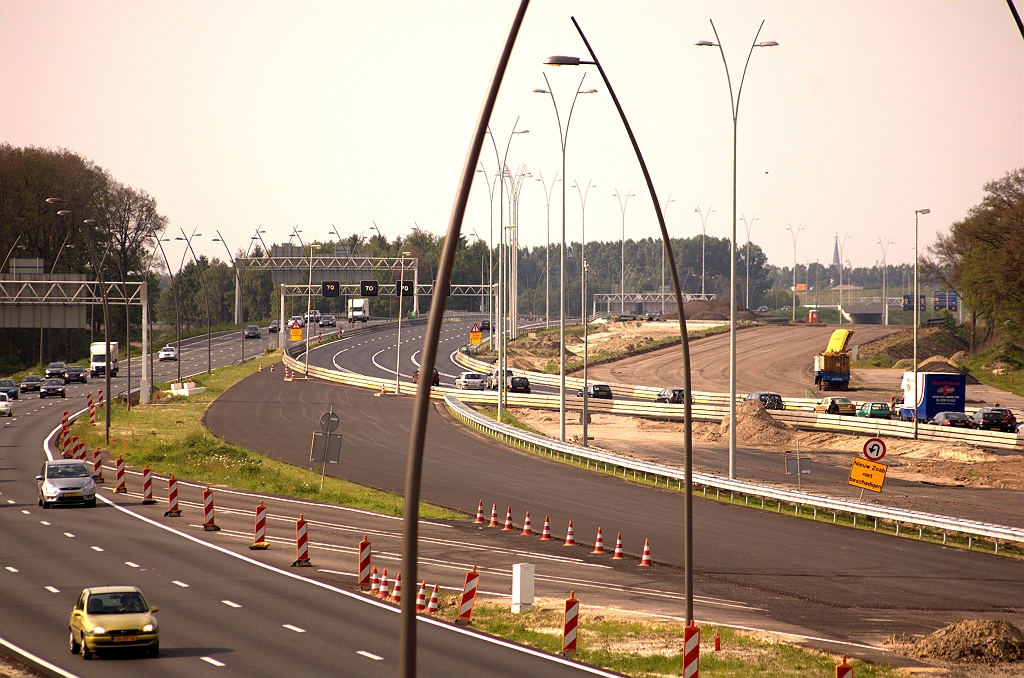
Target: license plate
[[125, 639], [72, 494]]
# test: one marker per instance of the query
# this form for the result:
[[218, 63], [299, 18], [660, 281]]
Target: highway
[[221, 611], [834, 581]]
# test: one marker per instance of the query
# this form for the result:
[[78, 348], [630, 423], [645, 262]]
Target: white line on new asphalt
[[293, 628], [230, 604], [179, 583], [211, 660], [370, 655]]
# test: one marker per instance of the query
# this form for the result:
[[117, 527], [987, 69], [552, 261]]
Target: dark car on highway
[[9, 387], [958, 419], [485, 325], [328, 321], [275, 326], [436, 380], [31, 383], [995, 419], [674, 396], [75, 373], [519, 385], [771, 401], [600, 391], [56, 370], [252, 332], [52, 387]]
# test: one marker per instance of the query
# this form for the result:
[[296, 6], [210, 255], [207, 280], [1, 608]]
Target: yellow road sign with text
[[476, 338], [867, 475], [295, 334]]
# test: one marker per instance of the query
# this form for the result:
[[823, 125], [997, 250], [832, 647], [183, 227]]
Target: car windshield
[[6, 382], [841, 401], [955, 415], [74, 368], [55, 366], [168, 348], [473, 375], [602, 389], [126, 602], [67, 471], [3, 397], [52, 382], [252, 327], [32, 378]]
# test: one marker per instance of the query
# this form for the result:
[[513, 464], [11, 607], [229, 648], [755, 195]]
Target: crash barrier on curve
[[259, 540], [671, 477]]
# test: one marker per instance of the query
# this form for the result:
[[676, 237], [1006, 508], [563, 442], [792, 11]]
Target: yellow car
[[110, 617], [836, 406]]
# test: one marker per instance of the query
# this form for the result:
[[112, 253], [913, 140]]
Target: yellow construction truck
[[832, 366]]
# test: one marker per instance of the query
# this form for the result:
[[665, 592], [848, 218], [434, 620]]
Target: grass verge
[[507, 418], [169, 435], [649, 649]]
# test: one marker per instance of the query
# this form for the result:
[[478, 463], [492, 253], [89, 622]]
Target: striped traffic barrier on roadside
[[97, 465], [99, 398], [119, 475], [545, 533], [172, 498], [468, 597], [843, 669], [618, 555], [494, 516], [570, 536], [147, 486], [480, 513], [365, 555], [259, 539], [569, 623], [208, 522], [301, 543], [691, 650], [645, 559]]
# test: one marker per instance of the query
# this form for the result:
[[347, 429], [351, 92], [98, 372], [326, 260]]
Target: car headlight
[[149, 628], [49, 490], [98, 631]]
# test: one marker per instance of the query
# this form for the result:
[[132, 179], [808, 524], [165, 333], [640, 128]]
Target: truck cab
[[358, 310], [100, 354]]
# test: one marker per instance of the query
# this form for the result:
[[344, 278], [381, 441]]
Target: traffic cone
[[570, 538], [618, 555], [261, 366], [421, 597], [545, 533], [271, 367], [494, 516], [396, 593], [383, 391], [383, 590], [432, 605], [480, 514], [374, 582], [599, 544], [527, 529], [645, 561], [508, 521]]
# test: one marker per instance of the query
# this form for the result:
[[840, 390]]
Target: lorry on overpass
[[936, 392], [832, 366], [358, 310], [99, 356]]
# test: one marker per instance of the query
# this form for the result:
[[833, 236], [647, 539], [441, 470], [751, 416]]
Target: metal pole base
[[211, 528], [172, 514]]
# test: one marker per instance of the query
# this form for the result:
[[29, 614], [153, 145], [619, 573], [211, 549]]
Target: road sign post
[[326, 445], [874, 449]]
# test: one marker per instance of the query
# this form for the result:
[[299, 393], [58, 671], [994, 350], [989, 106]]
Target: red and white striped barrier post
[[618, 555], [545, 533], [432, 606], [691, 650], [64, 420], [645, 560], [508, 521], [92, 410], [382, 589], [570, 536], [494, 516], [301, 543], [844, 670], [527, 528], [119, 473], [208, 522], [99, 398], [147, 486], [172, 499], [598, 543], [77, 448], [421, 597], [480, 514], [65, 442], [396, 593], [97, 465], [569, 623], [374, 582], [259, 539], [468, 597], [365, 554]]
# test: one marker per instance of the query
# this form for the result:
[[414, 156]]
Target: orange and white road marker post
[[691, 650], [99, 398], [421, 597], [618, 555], [570, 536], [119, 472], [396, 593], [479, 514], [301, 543], [208, 522], [718, 642], [365, 554], [382, 588], [645, 560], [468, 597], [261, 366], [508, 521], [844, 670], [259, 539], [545, 533], [147, 486], [92, 411], [527, 528], [433, 605], [374, 582], [97, 465], [172, 499], [569, 623], [598, 543], [494, 516]]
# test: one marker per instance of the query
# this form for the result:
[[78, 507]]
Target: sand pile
[[754, 426], [973, 640]]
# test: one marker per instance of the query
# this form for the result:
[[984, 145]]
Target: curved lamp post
[[885, 279], [735, 103], [703, 239], [177, 310], [563, 137], [664, 210], [547, 249], [206, 295], [583, 298], [622, 267], [748, 225], [238, 279], [794, 234], [917, 315]]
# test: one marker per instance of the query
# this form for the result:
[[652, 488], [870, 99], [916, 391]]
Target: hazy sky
[[239, 114]]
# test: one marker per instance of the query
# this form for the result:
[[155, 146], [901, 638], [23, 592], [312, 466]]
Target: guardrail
[[617, 464]]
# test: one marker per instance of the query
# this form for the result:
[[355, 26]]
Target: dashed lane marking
[[25, 512], [96, 548], [230, 604], [68, 534], [211, 660], [11, 569], [130, 563], [293, 628], [370, 655], [52, 589], [44, 522], [179, 583]]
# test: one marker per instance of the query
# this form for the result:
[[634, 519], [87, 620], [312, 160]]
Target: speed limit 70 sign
[[874, 449]]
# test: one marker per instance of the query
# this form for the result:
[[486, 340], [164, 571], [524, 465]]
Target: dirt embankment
[[931, 341], [996, 643], [711, 310]]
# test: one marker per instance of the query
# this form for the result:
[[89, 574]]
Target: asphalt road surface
[[276, 623], [839, 582]]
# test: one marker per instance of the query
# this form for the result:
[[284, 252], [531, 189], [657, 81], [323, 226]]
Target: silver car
[[168, 353], [471, 381], [66, 481], [6, 408]]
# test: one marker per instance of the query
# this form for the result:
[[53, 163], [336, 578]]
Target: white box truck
[[358, 310], [98, 361]]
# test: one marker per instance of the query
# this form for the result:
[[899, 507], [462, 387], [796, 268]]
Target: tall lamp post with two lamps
[[917, 315], [583, 299], [623, 203]]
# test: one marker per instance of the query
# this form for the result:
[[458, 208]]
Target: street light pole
[[563, 137], [748, 225], [664, 210], [177, 309], [703, 238], [794, 234], [885, 273], [735, 103], [547, 250], [490, 257], [398, 345], [206, 294], [583, 297], [917, 314], [842, 246], [238, 281], [622, 265]]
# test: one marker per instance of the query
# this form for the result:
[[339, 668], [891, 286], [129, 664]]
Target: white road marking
[[10, 501], [370, 655], [25, 512], [11, 569], [230, 604], [44, 522], [52, 589], [179, 583], [68, 534], [293, 628], [130, 563], [96, 548], [211, 660]]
